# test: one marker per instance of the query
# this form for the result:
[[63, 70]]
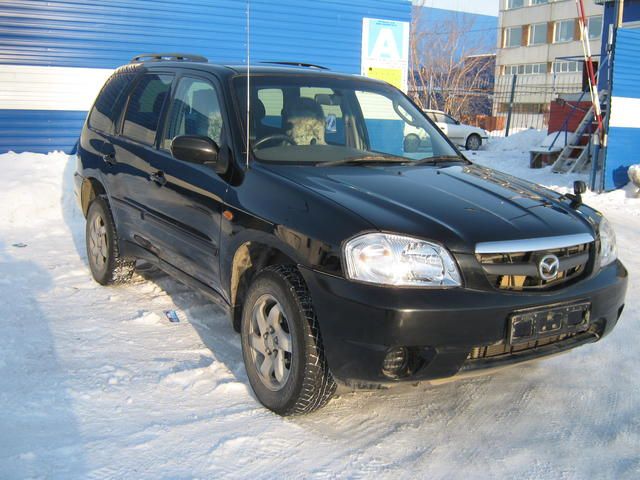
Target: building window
[[513, 37], [594, 27], [564, 66], [511, 4], [515, 4], [538, 34], [526, 69], [564, 31]]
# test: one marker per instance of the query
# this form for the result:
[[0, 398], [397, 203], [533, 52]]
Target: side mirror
[[195, 149], [579, 187]]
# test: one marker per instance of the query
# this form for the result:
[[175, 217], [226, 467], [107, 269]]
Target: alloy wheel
[[270, 342], [98, 249]]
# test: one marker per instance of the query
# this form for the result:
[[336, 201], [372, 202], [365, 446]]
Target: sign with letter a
[[385, 51]]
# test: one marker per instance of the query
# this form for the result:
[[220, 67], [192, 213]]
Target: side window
[[449, 120], [441, 118], [391, 129], [269, 108], [104, 111], [145, 105], [195, 110]]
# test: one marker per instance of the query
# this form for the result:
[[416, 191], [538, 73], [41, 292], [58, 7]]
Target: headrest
[[305, 108], [258, 109], [159, 101], [205, 101]]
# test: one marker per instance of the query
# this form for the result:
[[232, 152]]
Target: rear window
[[145, 106], [104, 111]]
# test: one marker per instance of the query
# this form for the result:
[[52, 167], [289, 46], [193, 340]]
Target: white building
[[540, 42]]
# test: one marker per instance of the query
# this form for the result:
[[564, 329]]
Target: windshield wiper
[[439, 159], [362, 160]]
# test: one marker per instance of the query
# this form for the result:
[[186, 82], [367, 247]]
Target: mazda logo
[[549, 267]]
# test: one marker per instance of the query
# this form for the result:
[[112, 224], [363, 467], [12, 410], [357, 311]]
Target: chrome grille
[[520, 271]]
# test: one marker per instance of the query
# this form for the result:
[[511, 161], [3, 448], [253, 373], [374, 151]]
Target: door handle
[[158, 178]]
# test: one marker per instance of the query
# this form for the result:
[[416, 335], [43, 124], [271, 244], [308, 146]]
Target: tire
[[474, 142], [305, 382], [105, 263]]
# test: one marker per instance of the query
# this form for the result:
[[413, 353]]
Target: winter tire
[[282, 346], [105, 263], [474, 142]]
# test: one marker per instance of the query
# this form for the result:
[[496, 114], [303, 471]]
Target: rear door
[[187, 198], [130, 154], [455, 131]]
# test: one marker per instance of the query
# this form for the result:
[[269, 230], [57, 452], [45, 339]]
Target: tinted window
[[145, 105], [271, 103], [195, 110], [326, 119], [104, 110]]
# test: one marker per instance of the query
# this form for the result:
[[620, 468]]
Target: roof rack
[[297, 64], [157, 57]]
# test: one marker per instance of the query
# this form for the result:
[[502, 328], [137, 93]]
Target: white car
[[465, 136]]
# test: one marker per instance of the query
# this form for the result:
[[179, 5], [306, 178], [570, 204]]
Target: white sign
[[385, 50]]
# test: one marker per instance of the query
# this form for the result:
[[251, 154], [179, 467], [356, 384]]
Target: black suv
[[349, 239]]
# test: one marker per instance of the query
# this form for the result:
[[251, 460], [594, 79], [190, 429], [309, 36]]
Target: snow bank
[[522, 141], [98, 383]]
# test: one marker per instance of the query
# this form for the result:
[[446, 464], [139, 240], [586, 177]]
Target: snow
[[522, 140], [97, 382]]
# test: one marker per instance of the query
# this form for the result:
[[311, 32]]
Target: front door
[[187, 197]]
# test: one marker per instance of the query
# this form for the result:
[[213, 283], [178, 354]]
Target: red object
[[559, 112], [582, 18]]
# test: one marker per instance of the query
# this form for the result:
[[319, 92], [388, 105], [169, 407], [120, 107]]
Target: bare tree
[[448, 71]]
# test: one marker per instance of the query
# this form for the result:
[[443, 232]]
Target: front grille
[[520, 271], [506, 349]]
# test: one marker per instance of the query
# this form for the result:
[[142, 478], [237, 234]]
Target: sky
[[482, 7]]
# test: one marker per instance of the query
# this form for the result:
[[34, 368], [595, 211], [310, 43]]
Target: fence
[[511, 104]]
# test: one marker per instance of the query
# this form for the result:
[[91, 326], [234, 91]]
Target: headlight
[[608, 248], [387, 259]]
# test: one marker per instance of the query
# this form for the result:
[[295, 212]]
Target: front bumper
[[359, 323]]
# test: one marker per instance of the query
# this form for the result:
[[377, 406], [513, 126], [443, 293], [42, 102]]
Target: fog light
[[395, 362]]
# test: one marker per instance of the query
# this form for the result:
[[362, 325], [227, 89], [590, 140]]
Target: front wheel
[[474, 142], [281, 344]]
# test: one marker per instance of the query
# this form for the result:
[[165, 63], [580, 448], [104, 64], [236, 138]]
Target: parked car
[[349, 239], [467, 136]]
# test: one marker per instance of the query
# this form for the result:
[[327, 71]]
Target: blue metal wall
[[107, 33], [624, 127]]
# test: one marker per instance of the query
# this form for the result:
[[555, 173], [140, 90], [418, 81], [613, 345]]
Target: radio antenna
[[248, 78]]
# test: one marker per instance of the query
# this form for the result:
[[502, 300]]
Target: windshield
[[303, 119]]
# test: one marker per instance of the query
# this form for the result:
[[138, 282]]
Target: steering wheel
[[273, 138]]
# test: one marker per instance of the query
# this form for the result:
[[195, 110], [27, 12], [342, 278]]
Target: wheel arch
[[249, 259], [91, 188]]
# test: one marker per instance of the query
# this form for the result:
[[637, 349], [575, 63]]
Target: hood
[[459, 205]]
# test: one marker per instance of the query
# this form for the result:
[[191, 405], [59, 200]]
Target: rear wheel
[[474, 142], [281, 344], [105, 263]]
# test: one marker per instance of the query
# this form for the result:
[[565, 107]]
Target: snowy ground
[[96, 383]]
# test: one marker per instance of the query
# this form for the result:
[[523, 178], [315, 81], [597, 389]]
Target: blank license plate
[[527, 326]]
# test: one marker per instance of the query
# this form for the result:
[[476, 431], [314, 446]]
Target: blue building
[[621, 79], [54, 56]]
